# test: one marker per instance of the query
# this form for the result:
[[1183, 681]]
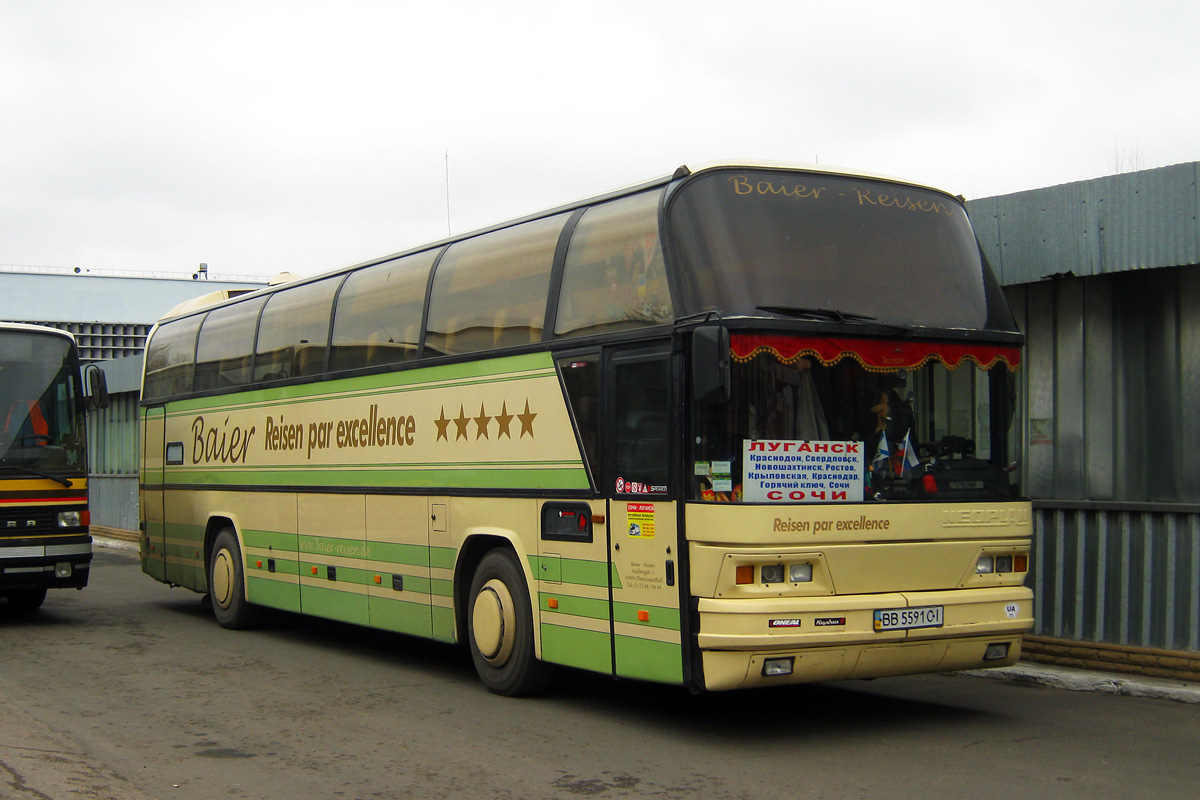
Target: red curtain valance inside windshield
[[875, 355]]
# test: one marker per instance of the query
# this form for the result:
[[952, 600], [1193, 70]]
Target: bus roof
[[682, 173]]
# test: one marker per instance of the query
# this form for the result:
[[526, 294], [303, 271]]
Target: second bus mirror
[[710, 364], [98, 384]]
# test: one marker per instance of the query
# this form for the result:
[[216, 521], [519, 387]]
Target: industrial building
[[110, 312]]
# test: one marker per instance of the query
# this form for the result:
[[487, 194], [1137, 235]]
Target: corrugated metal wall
[[1122, 576], [113, 447], [1112, 386], [1111, 395], [1135, 221]]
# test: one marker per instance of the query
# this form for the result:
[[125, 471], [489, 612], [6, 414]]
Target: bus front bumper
[[775, 641], [38, 564]]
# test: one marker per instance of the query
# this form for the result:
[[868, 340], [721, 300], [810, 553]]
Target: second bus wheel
[[500, 628], [26, 599], [227, 584]]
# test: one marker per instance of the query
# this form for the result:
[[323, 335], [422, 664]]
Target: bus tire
[[500, 628], [26, 599], [227, 584]]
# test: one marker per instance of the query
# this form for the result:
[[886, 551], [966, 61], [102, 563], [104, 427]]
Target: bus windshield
[[41, 412], [800, 243], [844, 420]]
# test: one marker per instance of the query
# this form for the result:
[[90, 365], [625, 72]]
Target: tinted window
[[378, 316], [293, 332], [790, 241], [490, 291], [171, 358], [225, 351], [613, 277]]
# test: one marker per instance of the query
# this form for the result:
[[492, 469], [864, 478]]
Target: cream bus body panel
[[379, 559], [922, 554]]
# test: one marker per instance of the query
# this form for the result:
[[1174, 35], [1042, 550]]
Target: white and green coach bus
[[739, 426]]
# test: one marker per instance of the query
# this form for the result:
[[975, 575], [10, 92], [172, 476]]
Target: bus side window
[[226, 346], [613, 277], [581, 378], [293, 331], [507, 269], [171, 358], [643, 423], [378, 316]]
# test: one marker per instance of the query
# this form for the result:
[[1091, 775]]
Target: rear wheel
[[227, 584], [500, 628], [26, 599]]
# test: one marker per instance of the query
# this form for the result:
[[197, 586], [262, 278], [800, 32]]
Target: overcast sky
[[302, 136]]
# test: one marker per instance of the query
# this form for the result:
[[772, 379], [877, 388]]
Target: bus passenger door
[[572, 568], [154, 544], [642, 521]]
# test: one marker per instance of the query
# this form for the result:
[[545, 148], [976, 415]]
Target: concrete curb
[[114, 544], [1080, 680]]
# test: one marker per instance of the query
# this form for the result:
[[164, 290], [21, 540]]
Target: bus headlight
[[771, 573], [986, 565], [69, 519], [800, 573]]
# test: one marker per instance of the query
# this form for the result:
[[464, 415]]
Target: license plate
[[904, 619]]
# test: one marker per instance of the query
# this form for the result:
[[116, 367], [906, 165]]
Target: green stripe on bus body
[[649, 660], [660, 616], [522, 475], [573, 647], [401, 616], [412, 555], [283, 566], [284, 596], [328, 602], [285, 542], [572, 606], [182, 530], [508, 368], [443, 557], [578, 571], [444, 625]]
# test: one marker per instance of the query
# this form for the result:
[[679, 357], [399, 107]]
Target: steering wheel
[[35, 438]]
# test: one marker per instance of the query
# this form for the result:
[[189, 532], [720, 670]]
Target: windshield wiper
[[39, 473], [823, 313]]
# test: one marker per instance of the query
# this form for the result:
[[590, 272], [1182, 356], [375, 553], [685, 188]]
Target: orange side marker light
[[643, 615], [552, 602]]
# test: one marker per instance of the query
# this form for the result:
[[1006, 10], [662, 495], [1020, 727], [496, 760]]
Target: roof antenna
[[448, 232]]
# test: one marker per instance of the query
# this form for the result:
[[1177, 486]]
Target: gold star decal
[[442, 424], [461, 422], [526, 420], [481, 423], [503, 419]]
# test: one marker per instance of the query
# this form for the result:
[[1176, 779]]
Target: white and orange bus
[[44, 538], [739, 426]]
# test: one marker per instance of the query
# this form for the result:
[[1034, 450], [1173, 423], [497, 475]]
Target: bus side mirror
[[710, 364], [98, 384]]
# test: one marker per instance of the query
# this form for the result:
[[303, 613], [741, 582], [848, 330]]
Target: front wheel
[[227, 584], [500, 628], [26, 599]]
